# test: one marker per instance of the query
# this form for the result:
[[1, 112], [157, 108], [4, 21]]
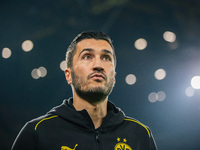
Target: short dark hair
[[98, 35]]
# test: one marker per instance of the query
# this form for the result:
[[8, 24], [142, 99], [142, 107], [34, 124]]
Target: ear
[[68, 75]]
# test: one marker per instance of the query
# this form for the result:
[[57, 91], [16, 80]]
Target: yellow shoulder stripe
[[139, 124], [43, 120]]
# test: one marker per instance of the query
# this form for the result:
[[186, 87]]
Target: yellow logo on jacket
[[67, 148], [122, 145]]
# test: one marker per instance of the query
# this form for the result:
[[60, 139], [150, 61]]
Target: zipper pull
[[97, 136]]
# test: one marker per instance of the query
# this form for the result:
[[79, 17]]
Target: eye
[[106, 58], [86, 57]]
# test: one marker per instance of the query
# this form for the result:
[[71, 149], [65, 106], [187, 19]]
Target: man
[[88, 121]]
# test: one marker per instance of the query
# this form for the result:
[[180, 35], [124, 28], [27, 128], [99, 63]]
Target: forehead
[[93, 44]]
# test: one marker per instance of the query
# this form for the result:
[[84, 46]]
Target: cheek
[[111, 75], [111, 70], [81, 69]]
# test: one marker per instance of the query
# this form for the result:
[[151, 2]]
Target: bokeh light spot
[[34, 74], [169, 36], [27, 45], [173, 45], [161, 96], [152, 97], [130, 79], [63, 65], [140, 44], [6, 53], [39, 72], [195, 82], [42, 71], [189, 91], [160, 74]]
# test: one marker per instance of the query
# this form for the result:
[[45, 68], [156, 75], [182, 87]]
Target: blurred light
[[42, 71], [160, 74], [6, 53], [34, 74], [63, 65], [39, 72], [27, 45], [160, 96], [195, 82], [130, 79], [173, 45], [169, 36], [189, 91], [140, 44], [152, 97]]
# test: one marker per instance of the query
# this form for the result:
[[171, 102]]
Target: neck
[[96, 111]]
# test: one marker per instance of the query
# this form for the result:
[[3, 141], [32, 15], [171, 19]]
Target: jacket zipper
[[97, 137]]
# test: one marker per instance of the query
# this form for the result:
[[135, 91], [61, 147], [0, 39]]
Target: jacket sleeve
[[26, 139]]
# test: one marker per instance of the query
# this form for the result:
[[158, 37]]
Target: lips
[[98, 76]]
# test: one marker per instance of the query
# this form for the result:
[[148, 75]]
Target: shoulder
[[140, 126], [35, 123]]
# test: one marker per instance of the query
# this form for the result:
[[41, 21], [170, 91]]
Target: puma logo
[[67, 148]]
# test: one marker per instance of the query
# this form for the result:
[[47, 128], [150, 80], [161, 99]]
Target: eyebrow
[[92, 50], [107, 51], [87, 49]]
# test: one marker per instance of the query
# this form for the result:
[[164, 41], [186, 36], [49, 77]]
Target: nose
[[98, 66]]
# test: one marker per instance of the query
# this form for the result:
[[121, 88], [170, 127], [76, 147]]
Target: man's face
[[93, 71]]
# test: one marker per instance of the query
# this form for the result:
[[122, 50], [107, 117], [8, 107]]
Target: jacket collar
[[67, 112]]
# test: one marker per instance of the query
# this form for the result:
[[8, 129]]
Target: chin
[[97, 88]]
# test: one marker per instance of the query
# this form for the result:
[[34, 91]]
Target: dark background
[[52, 24]]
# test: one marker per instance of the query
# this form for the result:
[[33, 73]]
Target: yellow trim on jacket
[[139, 124], [44, 120]]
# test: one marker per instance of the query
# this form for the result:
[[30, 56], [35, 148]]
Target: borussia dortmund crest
[[122, 145]]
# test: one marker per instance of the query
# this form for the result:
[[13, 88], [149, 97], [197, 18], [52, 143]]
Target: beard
[[91, 93]]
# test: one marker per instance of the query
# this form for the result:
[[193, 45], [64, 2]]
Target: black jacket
[[64, 128]]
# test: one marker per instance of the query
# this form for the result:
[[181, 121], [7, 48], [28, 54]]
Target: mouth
[[98, 76]]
